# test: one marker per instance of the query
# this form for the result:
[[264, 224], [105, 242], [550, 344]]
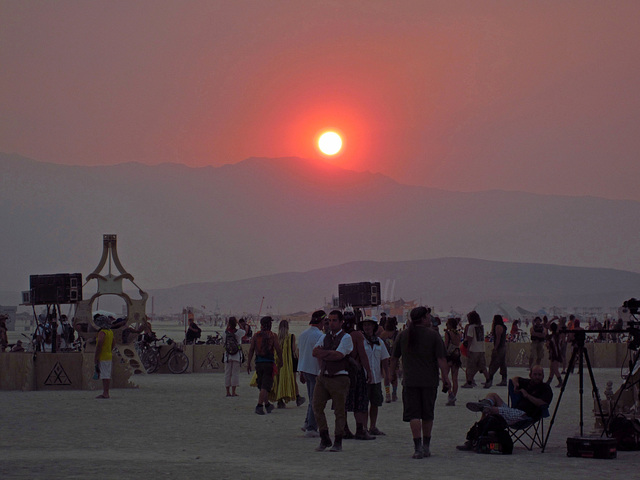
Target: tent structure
[[487, 310]]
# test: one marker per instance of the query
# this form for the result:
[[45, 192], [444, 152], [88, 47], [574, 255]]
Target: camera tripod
[[579, 354]]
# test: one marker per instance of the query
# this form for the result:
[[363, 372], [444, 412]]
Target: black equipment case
[[592, 447]]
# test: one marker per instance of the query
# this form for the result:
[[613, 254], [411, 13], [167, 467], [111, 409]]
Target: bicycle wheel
[[178, 362], [149, 359]]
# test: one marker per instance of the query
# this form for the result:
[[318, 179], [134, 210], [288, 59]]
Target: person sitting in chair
[[530, 396]]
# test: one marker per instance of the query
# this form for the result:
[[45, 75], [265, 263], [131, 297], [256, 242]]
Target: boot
[[325, 441], [347, 433], [418, 451], [337, 444]]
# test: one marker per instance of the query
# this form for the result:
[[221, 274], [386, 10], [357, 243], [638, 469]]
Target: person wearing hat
[[377, 354], [360, 376], [309, 367], [423, 354], [103, 358]]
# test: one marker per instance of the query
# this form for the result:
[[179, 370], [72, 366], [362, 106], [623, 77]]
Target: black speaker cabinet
[[55, 288], [362, 294]]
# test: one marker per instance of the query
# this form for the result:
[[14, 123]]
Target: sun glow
[[330, 143]]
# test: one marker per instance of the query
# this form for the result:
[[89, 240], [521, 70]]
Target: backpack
[[490, 435], [231, 343], [68, 333], [627, 432]]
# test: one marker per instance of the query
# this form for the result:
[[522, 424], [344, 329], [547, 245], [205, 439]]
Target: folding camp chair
[[529, 432]]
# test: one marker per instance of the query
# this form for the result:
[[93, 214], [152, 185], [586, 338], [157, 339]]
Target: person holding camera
[[423, 355], [538, 338]]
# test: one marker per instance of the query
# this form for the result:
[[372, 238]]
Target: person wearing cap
[[309, 367], [265, 345], [423, 354], [103, 358], [332, 383], [378, 355]]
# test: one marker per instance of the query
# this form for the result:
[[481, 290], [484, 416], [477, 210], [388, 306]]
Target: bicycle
[[217, 340], [174, 358]]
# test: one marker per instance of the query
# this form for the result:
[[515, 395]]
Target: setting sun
[[330, 143]]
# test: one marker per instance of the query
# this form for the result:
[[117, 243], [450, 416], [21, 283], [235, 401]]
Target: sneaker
[[478, 406], [466, 447], [300, 400], [451, 402], [260, 410], [394, 398], [467, 385], [375, 431], [311, 434], [388, 398], [269, 407]]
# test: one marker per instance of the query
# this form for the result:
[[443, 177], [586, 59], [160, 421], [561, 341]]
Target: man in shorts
[[423, 355], [264, 344], [378, 361], [103, 358]]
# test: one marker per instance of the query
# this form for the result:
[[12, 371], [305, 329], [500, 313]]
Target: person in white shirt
[[232, 361], [309, 367], [378, 354]]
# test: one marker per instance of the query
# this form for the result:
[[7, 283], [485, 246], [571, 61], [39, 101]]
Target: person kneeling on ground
[[530, 397]]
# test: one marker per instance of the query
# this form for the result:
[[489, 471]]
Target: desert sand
[[183, 426]]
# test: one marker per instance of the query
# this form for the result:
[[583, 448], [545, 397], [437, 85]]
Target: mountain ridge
[[177, 224]]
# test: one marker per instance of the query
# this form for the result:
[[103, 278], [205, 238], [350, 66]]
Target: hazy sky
[[537, 96]]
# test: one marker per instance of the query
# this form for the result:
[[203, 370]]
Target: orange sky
[[533, 96]]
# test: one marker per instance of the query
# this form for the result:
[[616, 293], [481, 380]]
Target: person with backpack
[[265, 345], [232, 356]]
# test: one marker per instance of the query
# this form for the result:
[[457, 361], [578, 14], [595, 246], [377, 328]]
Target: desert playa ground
[[183, 426]]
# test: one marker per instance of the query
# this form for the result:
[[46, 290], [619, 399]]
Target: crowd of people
[[346, 360], [355, 362]]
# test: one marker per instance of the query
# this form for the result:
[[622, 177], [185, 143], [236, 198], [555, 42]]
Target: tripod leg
[[564, 384], [596, 393]]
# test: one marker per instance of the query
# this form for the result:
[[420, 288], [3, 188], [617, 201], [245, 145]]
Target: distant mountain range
[[447, 283], [178, 225]]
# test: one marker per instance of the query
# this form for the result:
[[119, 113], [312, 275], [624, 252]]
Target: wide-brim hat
[[369, 319]]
